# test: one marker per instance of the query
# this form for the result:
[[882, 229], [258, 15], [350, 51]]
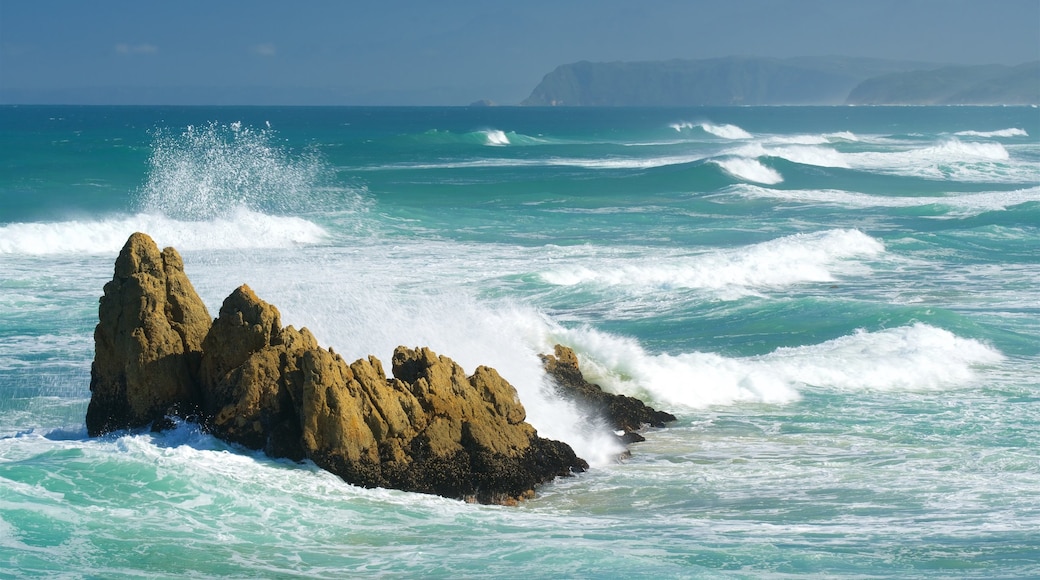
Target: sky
[[451, 52]]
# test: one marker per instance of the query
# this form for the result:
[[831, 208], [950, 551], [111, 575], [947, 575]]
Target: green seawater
[[840, 304]]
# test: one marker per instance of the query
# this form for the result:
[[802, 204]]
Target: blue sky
[[453, 52]]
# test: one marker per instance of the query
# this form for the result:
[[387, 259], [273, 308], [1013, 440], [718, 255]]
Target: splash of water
[[216, 170]]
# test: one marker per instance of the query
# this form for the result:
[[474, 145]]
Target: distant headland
[[735, 81]]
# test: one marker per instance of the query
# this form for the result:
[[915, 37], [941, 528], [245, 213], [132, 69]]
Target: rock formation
[[148, 342], [624, 413], [245, 378]]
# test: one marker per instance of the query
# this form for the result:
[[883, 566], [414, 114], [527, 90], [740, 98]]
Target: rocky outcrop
[[624, 413], [148, 342], [430, 428]]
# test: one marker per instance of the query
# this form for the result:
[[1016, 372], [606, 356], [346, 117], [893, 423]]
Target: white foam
[[952, 158], [586, 163], [1011, 132], [496, 137], [241, 229], [749, 170], [804, 154], [795, 259], [626, 163], [910, 358], [368, 308], [959, 204], [799, 139], [724, 130]]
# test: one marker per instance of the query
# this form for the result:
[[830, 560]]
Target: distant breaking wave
[[724, 131], [1013, 132], [488, 137], [918, 357], [947, 159], [749, 169], [241, 229], [779, 263], [960, 205]]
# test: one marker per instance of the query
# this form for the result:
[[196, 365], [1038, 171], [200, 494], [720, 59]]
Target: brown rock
[[147, 342], [624, 413], [247, 359], [430, 429]]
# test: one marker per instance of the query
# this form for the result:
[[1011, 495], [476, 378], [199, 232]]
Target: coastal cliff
[[757, 81]]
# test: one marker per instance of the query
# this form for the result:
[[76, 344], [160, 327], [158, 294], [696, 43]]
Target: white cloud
[[144, 48], [265, 49]]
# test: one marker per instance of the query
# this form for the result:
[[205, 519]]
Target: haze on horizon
[[406, 52]]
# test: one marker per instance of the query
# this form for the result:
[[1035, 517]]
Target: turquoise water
[[840, 304]]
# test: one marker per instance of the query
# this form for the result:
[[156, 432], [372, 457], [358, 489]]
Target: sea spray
[[215, 170]]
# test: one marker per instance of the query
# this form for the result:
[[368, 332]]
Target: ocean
[[841, 305]]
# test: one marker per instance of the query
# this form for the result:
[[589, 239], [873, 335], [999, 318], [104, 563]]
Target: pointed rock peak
[[139, 254], [244, 308], [409, 365], [172, 260], [565, 355]]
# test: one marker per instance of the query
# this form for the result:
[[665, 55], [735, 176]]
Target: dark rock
[[622, 412]]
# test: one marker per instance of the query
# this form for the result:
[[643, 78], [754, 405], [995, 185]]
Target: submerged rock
[[430, 428], [624, 413]]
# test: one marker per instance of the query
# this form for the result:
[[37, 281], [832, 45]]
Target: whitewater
[[839, 304]]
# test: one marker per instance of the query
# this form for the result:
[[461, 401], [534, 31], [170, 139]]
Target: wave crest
[[919, 357], [724, 130], [241, 229], [795, 259], [1011, 132], [749, 170]]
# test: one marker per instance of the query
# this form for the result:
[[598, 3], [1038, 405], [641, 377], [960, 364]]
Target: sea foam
[[956, 204], [749, 170], [1010, 132], [496, 137], [724, 130], [918, 357], [241, 229], [796, 259]]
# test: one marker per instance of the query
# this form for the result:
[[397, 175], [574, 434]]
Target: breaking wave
[[724, 131], [795, 259], [918, 357]]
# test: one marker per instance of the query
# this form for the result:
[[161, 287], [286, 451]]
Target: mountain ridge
[[742, 80]]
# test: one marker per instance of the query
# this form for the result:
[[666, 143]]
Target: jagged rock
[[624, 413], [430, 428], [148, 340], [247, 360]]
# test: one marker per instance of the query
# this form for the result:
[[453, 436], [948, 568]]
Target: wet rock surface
[[626, 414]]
